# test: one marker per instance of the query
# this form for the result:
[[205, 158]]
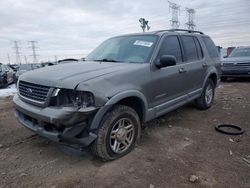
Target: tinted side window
[[199, 49], [189, 48], [213, 52], [171, 46]]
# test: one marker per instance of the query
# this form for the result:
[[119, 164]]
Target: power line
[[175, 10], [17, 52], [34, 54]]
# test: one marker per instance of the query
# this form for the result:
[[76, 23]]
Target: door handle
[[182, 70], [204, 65]]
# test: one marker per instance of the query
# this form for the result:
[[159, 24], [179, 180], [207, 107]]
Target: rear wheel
[[205, 101], [117, 134], [5, 83]]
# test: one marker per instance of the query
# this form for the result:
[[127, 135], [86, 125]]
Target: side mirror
[[166, 61]]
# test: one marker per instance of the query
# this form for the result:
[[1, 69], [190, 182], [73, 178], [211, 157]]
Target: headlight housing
[[66, 97]]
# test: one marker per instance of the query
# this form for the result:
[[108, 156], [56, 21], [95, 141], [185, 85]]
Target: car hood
[[70, 75], [237, 59]]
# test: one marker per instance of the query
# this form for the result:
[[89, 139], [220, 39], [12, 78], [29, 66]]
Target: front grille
[[247, 64], [33, 92]]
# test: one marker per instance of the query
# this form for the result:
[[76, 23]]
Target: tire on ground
[[101, 146]]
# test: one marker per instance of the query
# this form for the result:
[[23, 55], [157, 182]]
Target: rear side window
[[190, 48], [171, 46], [211, 48]]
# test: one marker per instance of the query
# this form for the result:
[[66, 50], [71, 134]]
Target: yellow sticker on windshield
[[143, 43]]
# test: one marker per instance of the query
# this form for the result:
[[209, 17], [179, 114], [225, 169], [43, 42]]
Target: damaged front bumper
[[67, 125]]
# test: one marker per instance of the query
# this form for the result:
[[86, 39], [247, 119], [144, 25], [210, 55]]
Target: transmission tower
[[190, 24], [33, 47], [144, 24], [175, 10], [17, 52]]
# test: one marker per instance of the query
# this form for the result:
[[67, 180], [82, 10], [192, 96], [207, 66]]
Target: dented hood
[[71, 74]]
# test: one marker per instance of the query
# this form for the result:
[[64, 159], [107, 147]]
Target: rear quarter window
[[211, 48]]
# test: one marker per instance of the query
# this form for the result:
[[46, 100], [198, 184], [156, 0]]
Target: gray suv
[[126, 81]]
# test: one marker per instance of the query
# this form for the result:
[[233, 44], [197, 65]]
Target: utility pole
[[175, 10], [190, 24], [8, 55], [25, 58], [144, 24], [17, 52], [33, 47]]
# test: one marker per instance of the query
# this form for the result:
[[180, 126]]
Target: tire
[[205, 101], [118, 133], [5, 83]]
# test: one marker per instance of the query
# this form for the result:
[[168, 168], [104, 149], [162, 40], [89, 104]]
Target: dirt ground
[[173, 147]]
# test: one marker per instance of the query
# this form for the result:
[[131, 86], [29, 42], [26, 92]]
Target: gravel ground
[[181, 149]]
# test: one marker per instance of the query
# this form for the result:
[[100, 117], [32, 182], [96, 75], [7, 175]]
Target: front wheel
[[205, 101], [118, 133]]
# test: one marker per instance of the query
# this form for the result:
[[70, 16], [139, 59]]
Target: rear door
[[194, 64]]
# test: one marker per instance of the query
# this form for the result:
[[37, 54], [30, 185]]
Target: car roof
[[243, 47], [172, 31]]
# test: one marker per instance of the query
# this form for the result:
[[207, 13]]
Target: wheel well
[[136, 104], [213, 77]]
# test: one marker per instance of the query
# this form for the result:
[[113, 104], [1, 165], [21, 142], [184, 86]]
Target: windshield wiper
[[106, 60]]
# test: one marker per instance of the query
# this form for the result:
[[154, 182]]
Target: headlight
[[65, 97], [82, 99]]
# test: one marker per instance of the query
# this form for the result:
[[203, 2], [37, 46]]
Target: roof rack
[[186, 30]]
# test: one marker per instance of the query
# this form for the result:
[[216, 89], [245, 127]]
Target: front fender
[[114, 100]]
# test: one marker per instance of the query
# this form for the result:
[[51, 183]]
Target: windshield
[[134, 49], [240, 52]]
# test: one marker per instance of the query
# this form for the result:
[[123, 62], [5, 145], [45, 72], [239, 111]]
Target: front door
[[168, 84]]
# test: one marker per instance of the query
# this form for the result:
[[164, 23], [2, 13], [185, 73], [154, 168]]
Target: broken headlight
[[65, 97]]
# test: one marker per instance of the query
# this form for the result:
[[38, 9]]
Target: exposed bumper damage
[[60, 124]]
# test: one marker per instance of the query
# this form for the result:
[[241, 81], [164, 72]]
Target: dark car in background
[[6, 75], [237, 64], [14, 66], [24, 68]]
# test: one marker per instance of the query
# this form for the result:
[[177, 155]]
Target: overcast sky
[[73, 28]]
